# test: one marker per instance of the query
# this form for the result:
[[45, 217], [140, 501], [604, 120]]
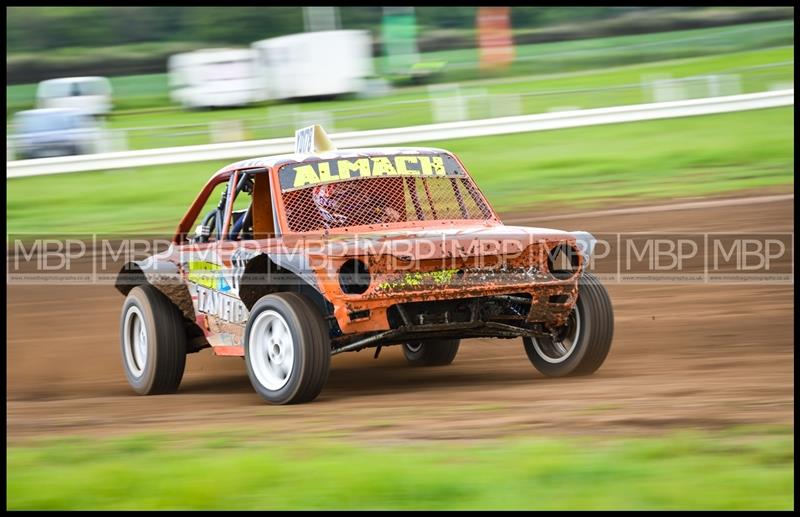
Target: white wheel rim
[[414, 348], [271, 350], [558, 351], [135, 341]]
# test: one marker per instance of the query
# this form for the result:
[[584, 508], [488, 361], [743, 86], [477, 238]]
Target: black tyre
[[432, 352], [582, 344], [153, 341], [287, 349]]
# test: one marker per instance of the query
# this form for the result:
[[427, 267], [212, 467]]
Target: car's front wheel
[[287, 349], [581, 345]]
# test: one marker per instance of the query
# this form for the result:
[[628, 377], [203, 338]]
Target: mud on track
[[705, 356]]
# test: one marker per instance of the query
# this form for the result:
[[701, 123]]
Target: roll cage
[[267, 214]]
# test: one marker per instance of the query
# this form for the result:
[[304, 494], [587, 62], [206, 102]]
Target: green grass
[[645, 160], [686, 470], [576, 167]]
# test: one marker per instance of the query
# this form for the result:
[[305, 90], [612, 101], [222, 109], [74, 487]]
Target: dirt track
[[683, 356]]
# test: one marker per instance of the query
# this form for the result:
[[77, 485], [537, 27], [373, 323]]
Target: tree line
[[31, 29]]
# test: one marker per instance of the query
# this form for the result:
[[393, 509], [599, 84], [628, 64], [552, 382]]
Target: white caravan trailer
[[313, 64], [212, 78], [91, 95]]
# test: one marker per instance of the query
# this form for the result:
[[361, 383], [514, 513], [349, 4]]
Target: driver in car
[[348, 203]]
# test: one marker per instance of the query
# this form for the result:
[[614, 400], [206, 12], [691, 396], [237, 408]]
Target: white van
[[212, 78], [314, 64], [92, 95]]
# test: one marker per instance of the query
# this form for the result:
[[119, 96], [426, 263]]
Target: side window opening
[[208, 227], [235, 209], [240, 226]]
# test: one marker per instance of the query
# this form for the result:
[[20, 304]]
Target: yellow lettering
[[369, 167], [305, 175], [346, 167], [438, 165], [381, 166], [325, 172], [402, 165], [425, 163]]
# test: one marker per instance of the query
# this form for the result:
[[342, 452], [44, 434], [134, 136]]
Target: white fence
[[405, 135]]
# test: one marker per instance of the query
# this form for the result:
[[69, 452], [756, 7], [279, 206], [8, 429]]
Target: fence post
[[447, 103], [226, 131]]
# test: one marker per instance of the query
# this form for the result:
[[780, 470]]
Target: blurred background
[[694, 407], [168, 76]]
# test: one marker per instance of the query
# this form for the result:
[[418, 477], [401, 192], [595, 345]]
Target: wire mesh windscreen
[[366, 201]]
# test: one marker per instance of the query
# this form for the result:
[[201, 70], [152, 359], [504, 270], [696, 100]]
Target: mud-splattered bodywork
[[442, 264]]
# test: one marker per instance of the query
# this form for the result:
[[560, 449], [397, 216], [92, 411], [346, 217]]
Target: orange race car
[[324, 251]]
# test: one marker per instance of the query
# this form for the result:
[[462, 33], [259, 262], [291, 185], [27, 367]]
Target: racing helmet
[[347, 203]]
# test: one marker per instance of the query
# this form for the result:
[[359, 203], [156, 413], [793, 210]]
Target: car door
[[211, 274]]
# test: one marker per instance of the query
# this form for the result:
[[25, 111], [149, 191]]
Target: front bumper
[[550, 303]]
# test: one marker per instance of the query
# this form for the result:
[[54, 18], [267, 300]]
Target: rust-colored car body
[[447, 266]]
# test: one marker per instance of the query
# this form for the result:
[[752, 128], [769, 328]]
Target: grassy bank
[[740, 72], [688, 470], [575, 167]]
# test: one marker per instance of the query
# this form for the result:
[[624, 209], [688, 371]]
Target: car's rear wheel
[[153, 341], [432, 352], [287, 349], [581, 345]]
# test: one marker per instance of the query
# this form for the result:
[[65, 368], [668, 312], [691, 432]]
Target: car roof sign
[[312, 139]]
